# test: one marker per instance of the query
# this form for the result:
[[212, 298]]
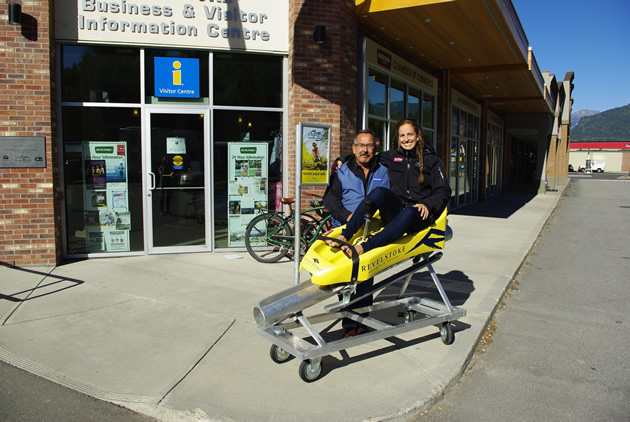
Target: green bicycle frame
[[282, 240]]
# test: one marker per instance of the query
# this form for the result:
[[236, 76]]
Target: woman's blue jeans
[[398, 219]]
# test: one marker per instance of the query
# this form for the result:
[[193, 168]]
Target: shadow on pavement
[[458, 288], [456, 284], [331, 362], [500, 206], [42, 284]]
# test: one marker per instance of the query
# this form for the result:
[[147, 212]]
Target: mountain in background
[[608, 126], [578, 115]]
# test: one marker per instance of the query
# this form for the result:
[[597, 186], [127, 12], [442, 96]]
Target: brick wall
[[322, 77], [27, 208]]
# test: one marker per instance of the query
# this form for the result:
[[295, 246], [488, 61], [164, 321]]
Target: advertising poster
[[315, 153], [106, 217], [247, 187]]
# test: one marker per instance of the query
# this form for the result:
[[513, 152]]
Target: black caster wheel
[[410, 316], [279, 355], [310, 370], [446, 333]]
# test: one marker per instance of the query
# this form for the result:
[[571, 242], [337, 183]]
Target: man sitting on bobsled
[[419, 191]]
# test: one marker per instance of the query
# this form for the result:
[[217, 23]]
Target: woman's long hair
[[419, 144]]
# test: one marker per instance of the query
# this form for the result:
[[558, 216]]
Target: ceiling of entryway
[[480, 42]]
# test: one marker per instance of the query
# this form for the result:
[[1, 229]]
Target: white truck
[[596, 166]]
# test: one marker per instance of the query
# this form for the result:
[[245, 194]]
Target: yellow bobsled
[[331, 265]]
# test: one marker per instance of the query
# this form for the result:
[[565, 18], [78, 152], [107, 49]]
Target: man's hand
[[423, 210]]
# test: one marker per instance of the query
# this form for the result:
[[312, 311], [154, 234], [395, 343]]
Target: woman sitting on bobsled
[[419, 191]]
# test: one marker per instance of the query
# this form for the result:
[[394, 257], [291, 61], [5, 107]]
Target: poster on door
[[107, 217], [247, 187]]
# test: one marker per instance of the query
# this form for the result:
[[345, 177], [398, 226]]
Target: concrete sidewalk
[[173, 336]]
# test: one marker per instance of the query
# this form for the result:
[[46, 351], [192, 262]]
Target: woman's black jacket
[[403, 168]]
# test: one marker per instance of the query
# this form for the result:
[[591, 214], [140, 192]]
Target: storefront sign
[[250, 25], [22, 152], [176, 77], [386, 60], [460, 100], [315, 148]]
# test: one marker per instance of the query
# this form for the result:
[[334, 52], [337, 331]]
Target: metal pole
[[298, 208]]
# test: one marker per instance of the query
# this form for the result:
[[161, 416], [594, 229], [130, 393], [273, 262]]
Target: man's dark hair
[[362, 131]]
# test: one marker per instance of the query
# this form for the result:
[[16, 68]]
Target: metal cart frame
[[418, 313]]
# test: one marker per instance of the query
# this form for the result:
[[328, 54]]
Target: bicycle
[[269, 236]]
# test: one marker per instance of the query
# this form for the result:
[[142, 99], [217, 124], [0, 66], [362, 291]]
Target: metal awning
[[481, 43]]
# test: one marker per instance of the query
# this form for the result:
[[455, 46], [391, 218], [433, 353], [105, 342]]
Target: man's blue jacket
[[350, 186]]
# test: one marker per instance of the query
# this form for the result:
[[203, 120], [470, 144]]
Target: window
[[463, 165], [85, 228], [247, 80], [397, 100], [102, 109], [378, 127], [413, 106], [377, 94], [428, 105], [389, 100], [243, 126], [100, 74]]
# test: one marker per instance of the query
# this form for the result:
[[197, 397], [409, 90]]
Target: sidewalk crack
[[197, 363]]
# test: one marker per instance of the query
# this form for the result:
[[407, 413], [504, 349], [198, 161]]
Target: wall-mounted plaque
[[22, 152]]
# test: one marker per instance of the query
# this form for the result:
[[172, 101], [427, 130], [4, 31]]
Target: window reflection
[[413, 104], [397, 100], [247, 80], [377, 87], [428, 105], [389, 100], [378, 127], [100, 74]]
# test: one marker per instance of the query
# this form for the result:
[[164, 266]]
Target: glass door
[[177, 182]]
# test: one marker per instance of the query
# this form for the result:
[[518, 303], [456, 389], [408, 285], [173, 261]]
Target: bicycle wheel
[[323, 215], [308, 230], [259, 238]]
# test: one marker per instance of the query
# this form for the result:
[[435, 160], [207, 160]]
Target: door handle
[[152, 180]]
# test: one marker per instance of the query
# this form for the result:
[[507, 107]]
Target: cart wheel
[[279, 355], [446, 333], [410, 316], [310, 370]]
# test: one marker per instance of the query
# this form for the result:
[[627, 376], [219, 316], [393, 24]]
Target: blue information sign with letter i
[[176, 77]]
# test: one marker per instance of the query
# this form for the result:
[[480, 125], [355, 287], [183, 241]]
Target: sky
[[596, 47]]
